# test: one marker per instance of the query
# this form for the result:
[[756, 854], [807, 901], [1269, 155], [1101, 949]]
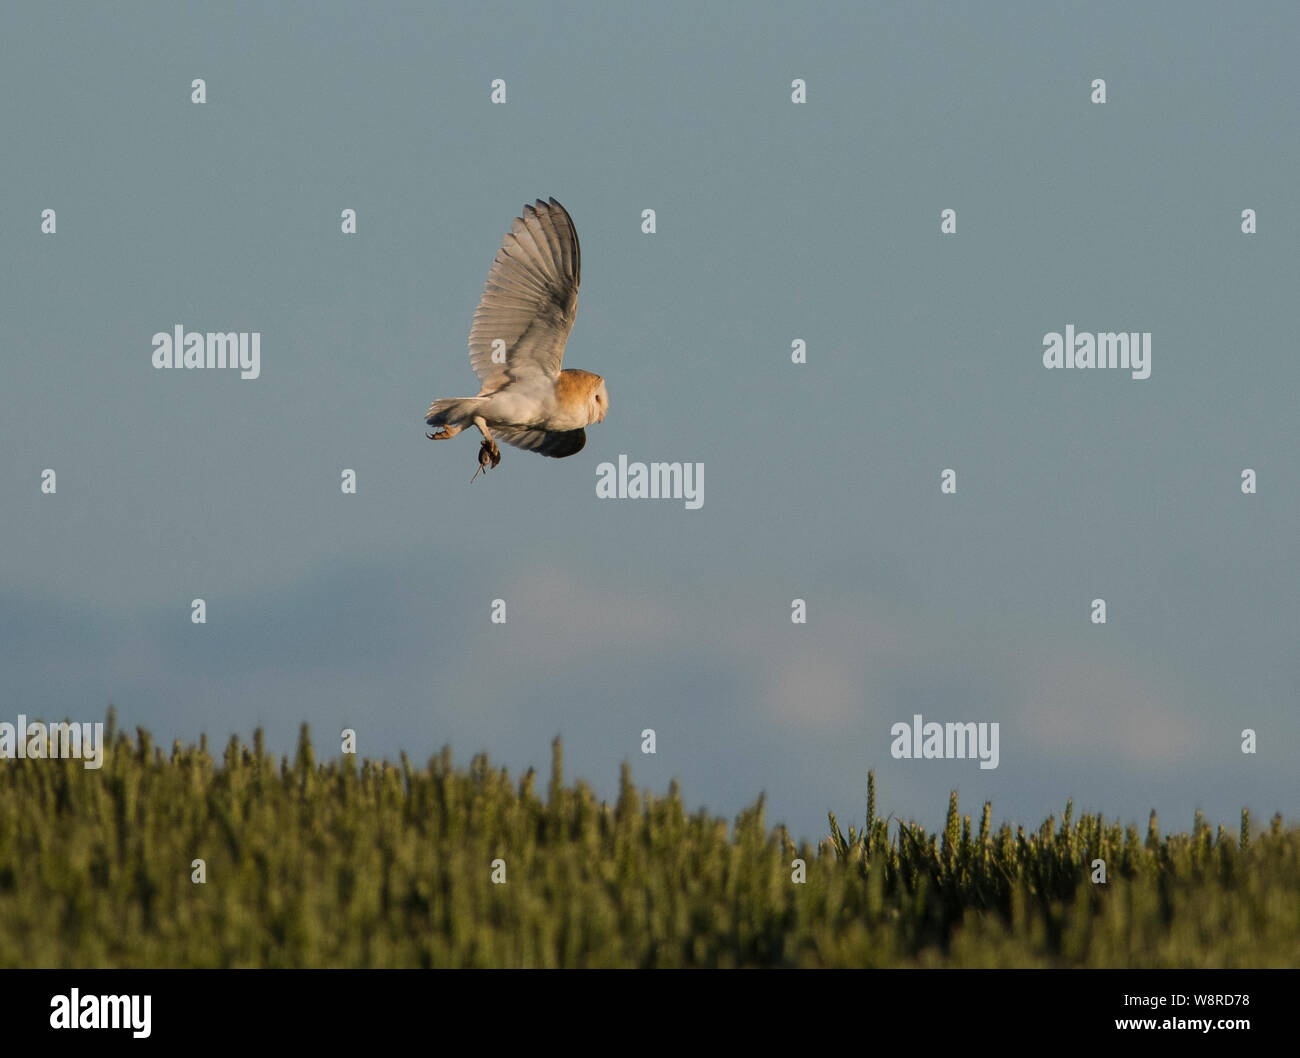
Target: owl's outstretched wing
[[530, 300], [554, 443]]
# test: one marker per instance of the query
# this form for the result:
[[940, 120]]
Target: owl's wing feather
[[530, 300], [554, 443]]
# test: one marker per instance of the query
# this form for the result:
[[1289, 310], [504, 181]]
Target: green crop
[[343, 863]]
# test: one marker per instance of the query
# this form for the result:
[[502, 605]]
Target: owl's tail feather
[[453, 411]]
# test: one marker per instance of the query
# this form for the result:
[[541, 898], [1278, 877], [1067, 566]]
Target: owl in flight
[[516, 345]]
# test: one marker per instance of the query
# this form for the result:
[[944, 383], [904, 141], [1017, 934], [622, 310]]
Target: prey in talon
[[488, 453]]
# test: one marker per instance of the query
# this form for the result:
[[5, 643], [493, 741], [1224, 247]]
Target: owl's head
[[599, 400], [582, 393]]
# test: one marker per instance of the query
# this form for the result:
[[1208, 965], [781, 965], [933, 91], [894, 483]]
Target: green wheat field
[[372, 864]]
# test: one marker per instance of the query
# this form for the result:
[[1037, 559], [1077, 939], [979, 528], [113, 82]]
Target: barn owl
[[516, 345]]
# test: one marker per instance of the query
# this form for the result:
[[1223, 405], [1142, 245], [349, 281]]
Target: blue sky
[[774, 222]]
